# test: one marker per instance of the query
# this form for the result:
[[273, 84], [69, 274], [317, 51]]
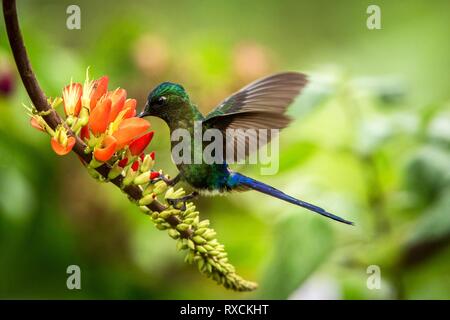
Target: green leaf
[[301, 245]]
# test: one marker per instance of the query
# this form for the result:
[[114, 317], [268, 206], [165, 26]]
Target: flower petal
[[98, 120], [139, 145], [107, 149], [130, 104], [129, 129], [100, 88], [61, 149], [84, 133], [117, 97], [35, 124]]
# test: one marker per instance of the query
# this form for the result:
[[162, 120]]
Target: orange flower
[[104, 119], [128, 130], [113, 115], [61, 143], [106, 150], [98, 120], [60, 149], [72, 99]]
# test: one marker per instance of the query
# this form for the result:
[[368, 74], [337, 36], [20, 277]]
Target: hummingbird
[[260, 105]]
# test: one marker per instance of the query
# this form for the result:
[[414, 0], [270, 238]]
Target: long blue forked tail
[[237, 179]]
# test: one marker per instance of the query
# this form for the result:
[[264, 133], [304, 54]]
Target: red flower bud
[[123, 162], [84, 133], [139, 145], [135, 166], [152, 155], [153, 175]]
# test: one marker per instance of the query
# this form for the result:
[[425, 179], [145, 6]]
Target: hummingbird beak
[[143, 113]]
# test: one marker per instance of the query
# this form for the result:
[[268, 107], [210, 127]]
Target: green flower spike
[[196, 238]]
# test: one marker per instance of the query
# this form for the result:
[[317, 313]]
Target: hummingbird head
[[165, 100]]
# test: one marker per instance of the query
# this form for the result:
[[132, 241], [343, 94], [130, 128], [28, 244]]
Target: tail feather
[[241, 180]]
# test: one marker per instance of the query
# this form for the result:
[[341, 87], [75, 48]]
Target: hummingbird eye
[[160, 101]]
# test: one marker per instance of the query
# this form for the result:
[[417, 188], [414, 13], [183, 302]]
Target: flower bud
[[129, 177], [139, 144], [147, 163], [154, 175], [182, 227], [143, 178], [199, 240], [174, 233], [116, 170], [146, 200], [160, 187]]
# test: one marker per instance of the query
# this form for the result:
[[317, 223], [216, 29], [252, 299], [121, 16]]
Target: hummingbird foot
[[176, 202]]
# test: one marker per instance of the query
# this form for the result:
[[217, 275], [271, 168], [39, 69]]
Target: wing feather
[[277, 91], [260, 105]]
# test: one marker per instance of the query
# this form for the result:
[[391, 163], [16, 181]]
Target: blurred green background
[[370, 143]]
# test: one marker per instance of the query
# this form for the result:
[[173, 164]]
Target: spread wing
[[260, 105]]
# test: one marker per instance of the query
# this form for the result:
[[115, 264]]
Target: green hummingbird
[[259, 105]]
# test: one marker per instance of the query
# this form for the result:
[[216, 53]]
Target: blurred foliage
[[371, 142]]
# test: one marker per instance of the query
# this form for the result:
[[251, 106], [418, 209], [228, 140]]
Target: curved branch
[[39, 99], [23, 63]]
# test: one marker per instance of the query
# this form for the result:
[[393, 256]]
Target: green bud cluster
[[196, 238]]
